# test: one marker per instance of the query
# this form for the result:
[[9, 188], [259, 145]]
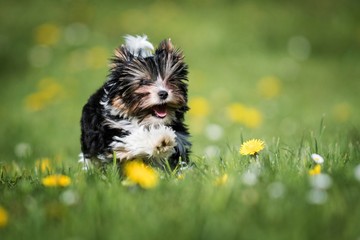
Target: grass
[[276, 205], [310, 49]]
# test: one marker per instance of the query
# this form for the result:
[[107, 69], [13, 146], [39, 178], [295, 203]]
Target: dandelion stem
[[255, 158], [114, 159], [168, 165]]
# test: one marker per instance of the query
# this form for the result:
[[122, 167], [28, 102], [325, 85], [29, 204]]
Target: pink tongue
[[160, 111]]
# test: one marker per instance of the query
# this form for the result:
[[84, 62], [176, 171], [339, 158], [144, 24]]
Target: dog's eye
[[144, 81]]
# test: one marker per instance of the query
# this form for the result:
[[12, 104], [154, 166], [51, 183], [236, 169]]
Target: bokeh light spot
[[299, 48], [252, 118], [236, 112], [49, 92], [40, 56], [47, 34], [97, 57], [76, 34], [269, 87], [342, 112], [214, 132], [199, 107]]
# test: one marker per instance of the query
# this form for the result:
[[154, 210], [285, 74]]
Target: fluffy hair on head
[[139, 111], [139, 46]]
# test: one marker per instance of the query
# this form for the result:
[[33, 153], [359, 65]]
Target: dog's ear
[[171, 61], [122, 54], [167, 46]]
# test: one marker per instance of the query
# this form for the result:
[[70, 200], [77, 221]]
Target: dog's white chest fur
[[145, 142]]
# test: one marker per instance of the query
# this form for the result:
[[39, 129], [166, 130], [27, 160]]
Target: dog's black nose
[[163, 95]]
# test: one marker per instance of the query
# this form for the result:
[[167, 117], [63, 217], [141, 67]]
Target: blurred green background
[[263, 69]]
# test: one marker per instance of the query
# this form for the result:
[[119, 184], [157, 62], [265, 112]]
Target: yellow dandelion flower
[[251, 147], [315, 170], [252, 118], [269, 87], [138, 172], [50, 181], [236, 112], [56, 180], [50, 86], [180, 177], [47, 34], [199, 107], [35, 102], [43, 165], [3, 217], [221, 181], [63, 181], [49, 91]]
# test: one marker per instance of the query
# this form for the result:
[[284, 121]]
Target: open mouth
[[160, 110]]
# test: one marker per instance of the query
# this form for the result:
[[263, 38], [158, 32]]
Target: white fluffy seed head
[[139, 46], [321, 181]]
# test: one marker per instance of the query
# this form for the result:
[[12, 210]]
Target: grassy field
[[285, 73]]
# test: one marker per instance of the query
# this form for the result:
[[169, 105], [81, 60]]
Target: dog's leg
[[153, 142]]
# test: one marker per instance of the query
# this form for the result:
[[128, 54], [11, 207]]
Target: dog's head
[[148, 87]]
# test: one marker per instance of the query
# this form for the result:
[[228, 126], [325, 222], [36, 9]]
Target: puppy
[[139, 111]]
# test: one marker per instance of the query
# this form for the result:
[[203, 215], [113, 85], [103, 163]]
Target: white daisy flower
[[317, 158]]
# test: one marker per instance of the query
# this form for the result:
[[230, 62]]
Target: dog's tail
[[139, 46]]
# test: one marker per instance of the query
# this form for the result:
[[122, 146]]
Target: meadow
[[285, 73]]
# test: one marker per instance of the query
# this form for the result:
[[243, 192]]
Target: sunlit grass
[[227, 191]]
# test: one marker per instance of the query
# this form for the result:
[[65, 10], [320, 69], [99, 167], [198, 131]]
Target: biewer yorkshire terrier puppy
[[139, 111]]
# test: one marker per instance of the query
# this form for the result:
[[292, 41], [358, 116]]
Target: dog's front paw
[[164, 145], [162, 141], [149, 142]]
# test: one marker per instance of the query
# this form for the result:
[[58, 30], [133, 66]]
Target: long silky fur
[[124, 104]]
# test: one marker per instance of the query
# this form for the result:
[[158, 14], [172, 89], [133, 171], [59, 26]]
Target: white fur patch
[[112, 110], [139, 46], [152, 142], [86, 162], [127, 125]]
